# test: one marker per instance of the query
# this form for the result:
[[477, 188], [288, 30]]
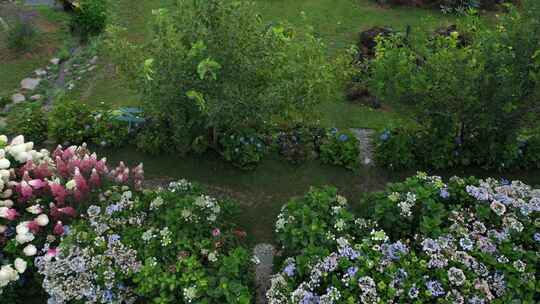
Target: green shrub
[[394, 149], [70, 122], [153, 138], [175, 245], [89, 18], [234, 70], [243, 149], [107, 130], [341, 148], [315, 220], [22, 36], [470, 101], [28, 120], [299, 143]]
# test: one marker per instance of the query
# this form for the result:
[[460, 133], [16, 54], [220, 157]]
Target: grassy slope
[[53, 33], [336, 21]]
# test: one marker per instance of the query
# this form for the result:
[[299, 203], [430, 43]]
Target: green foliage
[[341, 148], [28, 120], [394, 149], [299, 143], [312, 222], [75, 122], [153, 139], [70, 121], [182, 245], [470, 99], [22, 36], [90, 17], [244, 149], [216, 65]]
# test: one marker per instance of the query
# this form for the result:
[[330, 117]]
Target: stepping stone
[[263, 270], [30, 83], [36, 97], [94, 60], [18, 98], [366, 146], [40, 72], [55, 61]]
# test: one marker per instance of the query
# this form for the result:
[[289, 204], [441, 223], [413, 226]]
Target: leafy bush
[[394, 149], [107, 130], [29, 120], [244, 149], [234, 70], [76, 122], [70, 122], [470, 101], [313, 221], [340, 148], [89, 18], [299, 143], [42, 191], [482, 248], [170, 246], [531, 152], [22, 36]]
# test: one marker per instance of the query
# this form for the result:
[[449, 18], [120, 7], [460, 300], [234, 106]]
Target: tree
[[214, 65]]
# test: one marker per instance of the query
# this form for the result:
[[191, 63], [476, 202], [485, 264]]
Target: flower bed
[[73, 230], [468, 241]]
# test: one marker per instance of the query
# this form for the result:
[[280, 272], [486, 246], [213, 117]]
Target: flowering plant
[[484, 250], [316, 220], [164, 246], [244, 149], [340, 148], [40, 193], [299, 143]]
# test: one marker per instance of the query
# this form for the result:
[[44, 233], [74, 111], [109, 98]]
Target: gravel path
[[364, 136], [263, 271]]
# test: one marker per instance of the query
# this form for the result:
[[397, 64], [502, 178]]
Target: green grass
[[337, 22], [53, 33]]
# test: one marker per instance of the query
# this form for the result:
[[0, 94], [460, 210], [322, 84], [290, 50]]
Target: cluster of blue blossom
[[488, 253], [92, 264]]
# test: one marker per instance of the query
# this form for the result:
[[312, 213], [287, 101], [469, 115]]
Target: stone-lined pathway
[[263, 271], [364, 136]]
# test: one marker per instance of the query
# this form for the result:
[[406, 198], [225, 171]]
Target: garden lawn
[[337, 22], [53, 33]]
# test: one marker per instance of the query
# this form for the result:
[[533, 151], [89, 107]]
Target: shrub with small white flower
[[171, 245], [41, 192], [468, 241]]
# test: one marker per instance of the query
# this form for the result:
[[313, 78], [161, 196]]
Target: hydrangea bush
[[40, 193], [341, 148], [172, 245], [483, 250]]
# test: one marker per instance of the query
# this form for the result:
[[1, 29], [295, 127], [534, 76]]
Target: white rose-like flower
[[29, 146], [16, 149], [3, 228], [71, 185], [22, 228], [7, 274], [6, 203], [34, 209], [4, 174], [20, 265], [6, 194], [42, 220], [4, 163], [30, 250], [23, 157], [24, 238], [17, 140]]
